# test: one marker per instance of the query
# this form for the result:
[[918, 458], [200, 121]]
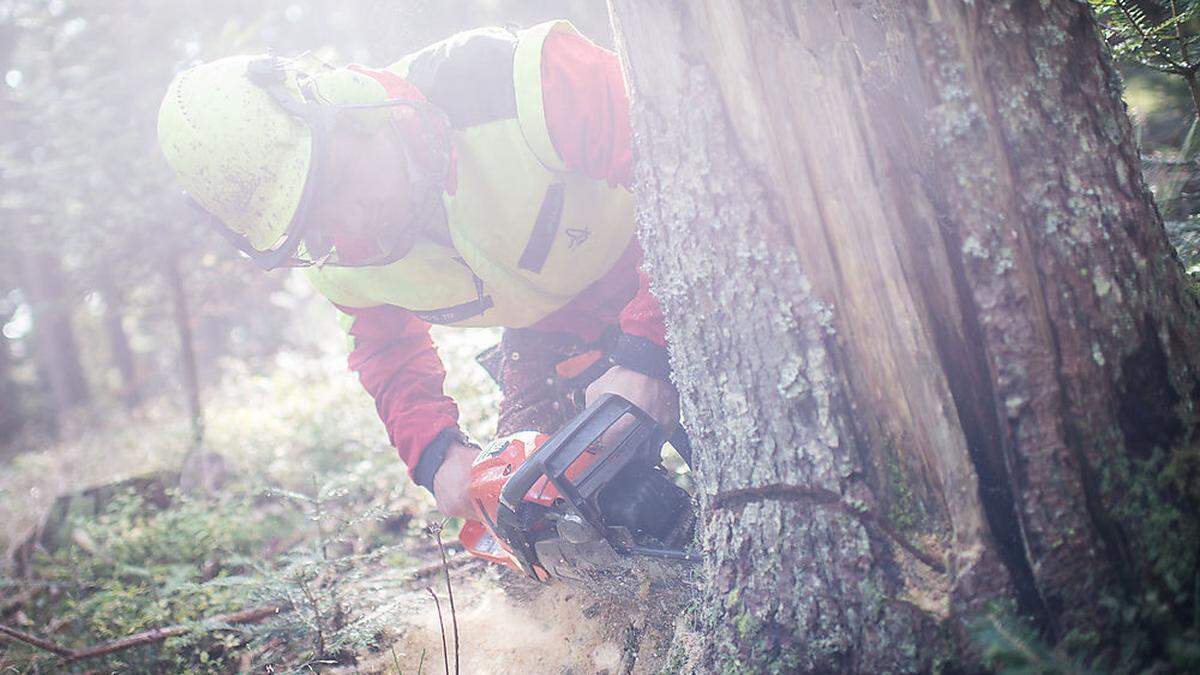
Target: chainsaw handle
[[571, 442]]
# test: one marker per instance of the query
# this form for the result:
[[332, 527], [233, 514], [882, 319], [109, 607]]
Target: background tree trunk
[[10, 406], [118, 342], [934, 348], [187, 349], [55, 347]]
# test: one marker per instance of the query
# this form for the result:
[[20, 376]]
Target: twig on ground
[[137, 639], [418, 550], [442, 626], [437, 532], [1171, 163], [317, 620], [436, 567]]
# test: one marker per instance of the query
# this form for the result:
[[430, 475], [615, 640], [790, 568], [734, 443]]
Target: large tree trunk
[[933, 345]]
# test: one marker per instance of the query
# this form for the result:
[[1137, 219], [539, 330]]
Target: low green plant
[[132, 568], [332, 603]]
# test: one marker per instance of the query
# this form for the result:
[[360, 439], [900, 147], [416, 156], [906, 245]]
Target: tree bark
[[919, 301]]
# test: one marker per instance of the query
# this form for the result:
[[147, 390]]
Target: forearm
[[399, 367]]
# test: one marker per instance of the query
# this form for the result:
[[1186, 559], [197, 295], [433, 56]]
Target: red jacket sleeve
[[399, 367], [587, 112]]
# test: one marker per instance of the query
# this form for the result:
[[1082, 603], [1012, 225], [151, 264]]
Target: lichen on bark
[[907, 260], [815, 589]]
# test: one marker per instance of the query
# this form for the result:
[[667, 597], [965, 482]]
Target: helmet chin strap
[[425, 216]]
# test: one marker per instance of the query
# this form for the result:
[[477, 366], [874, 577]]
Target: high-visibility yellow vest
[[528, 235]]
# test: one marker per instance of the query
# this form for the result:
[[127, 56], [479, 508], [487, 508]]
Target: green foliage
[[1159, 34], [335, 607], [132, 568], [315, 513], [1010, 647]]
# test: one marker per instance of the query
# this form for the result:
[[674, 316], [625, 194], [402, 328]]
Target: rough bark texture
[[921, 309]]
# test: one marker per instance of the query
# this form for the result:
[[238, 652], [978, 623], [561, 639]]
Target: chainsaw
[[569, 506]]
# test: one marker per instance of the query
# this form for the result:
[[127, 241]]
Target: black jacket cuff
[[435, 454], [642, 355]]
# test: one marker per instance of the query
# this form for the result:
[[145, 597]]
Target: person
[[482, 181]]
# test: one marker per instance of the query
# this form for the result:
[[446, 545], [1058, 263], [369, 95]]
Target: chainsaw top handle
[[561, 451]]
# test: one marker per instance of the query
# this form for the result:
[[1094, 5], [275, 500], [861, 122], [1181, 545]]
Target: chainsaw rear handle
[[558, 453]]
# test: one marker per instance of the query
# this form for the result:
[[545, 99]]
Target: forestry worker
[[482, 181]]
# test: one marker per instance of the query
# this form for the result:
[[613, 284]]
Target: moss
[[1149, 495], [676, 660], [904, 509], [746, 625]]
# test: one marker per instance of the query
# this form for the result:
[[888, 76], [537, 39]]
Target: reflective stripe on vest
[[527, 235]]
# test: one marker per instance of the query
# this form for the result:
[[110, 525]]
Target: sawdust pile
[[508, 626]]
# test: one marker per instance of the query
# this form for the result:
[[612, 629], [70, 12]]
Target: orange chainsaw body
[[567, 506]]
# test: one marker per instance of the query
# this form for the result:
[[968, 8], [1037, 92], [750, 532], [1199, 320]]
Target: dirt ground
[[510, 624]]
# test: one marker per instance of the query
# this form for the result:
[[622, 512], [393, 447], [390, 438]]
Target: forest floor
[[309, 512]]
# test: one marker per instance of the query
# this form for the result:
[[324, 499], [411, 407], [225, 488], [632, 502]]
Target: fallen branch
[[629, 653], [36, 641], [137, 639]]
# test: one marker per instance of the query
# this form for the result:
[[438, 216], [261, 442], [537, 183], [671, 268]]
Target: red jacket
[[587, 112]]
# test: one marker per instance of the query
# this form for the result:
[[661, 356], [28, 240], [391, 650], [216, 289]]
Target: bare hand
[[452, 482]]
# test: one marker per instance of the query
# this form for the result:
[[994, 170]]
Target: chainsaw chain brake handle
[[580, 435], [580, 488]]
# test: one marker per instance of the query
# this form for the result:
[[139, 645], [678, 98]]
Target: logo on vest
[[577, 236]]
